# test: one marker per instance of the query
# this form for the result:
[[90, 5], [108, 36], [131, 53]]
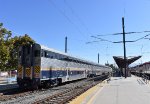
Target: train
[[39, 65], [141, 69]]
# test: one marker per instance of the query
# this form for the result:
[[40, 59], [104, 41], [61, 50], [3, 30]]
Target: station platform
[[132, 90]]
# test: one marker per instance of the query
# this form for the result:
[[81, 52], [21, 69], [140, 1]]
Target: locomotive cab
[[29, 66]]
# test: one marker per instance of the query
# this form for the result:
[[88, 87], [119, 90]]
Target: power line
[[68, 19], [101, 39], [142, 37], [122, 33], [134, 40], [92, 42], [78, 18], [147, 38]]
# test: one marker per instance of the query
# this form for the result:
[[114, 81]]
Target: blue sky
[[49, 21]]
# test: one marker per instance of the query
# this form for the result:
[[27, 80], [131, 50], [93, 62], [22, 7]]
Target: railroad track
[[63, 97], [56, 95], [69, 94], [12, 94]]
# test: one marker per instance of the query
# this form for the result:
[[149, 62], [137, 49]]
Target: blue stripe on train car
[[59, 73], [53, 73]]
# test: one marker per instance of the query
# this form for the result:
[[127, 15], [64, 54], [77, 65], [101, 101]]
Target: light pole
[[124, 47], [98, 57], [66, 44]]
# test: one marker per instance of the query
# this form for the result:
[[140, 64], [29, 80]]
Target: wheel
[[48, 84], [21, 87], [35, 87], [59, 81]]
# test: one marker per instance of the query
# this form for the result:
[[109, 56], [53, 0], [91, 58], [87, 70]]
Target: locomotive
[[42, 66]]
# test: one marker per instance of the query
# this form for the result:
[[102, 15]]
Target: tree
[[4, 47], [15, 43], [9, 47], [114, 68]]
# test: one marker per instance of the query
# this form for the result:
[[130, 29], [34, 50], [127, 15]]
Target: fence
[[145, 78]]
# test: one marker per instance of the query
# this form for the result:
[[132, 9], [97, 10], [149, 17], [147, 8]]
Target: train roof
[[71, 57]]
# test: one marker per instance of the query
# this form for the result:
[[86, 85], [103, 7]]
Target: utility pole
[[124, 46], [125, 62], [98, 57], [66, 44]]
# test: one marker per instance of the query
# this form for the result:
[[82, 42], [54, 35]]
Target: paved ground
[[7, 80], [7, 86], [131, 90], [7, 83]]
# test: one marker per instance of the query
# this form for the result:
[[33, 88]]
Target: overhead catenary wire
[[101, 39], [142, 37], [122, 33], [92, 42], [78, 18], [67, 18], [134, 40]]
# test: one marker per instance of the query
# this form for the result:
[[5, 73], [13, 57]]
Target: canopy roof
[[120, 60]]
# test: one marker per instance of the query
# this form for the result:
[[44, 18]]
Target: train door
[[28, 61], [68, 74], [20, 63], [50, 72], [36, 61]]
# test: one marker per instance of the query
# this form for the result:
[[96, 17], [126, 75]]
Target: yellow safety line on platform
[[93, 97], [82, 98]]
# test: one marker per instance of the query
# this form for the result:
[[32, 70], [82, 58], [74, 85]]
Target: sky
[[48, 22]]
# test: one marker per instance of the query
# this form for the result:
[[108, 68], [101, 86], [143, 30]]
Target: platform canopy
[[120, 60]]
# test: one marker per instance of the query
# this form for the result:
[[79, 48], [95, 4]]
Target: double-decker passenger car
[[141, 69], [42, 66]]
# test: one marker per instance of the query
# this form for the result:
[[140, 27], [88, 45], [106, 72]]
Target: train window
[[36, 53], [48, 55], [45, 54], [51, 55], [61, 57], [56, 56], [42, 53]]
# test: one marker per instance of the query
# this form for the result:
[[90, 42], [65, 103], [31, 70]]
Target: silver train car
[[42, 66], [143, 68]]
